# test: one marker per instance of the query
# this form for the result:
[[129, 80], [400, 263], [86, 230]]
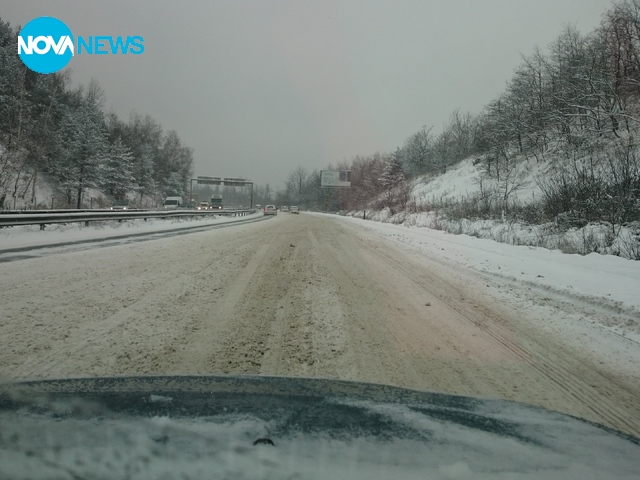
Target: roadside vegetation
[[568, 122], [54, 132]]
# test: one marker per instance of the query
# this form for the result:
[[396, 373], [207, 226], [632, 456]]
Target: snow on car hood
[[272, 427]]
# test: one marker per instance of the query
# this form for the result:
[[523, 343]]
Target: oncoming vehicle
[[284, 209], [203, 206], [270, 210], [295, 210], [172, 203], [216, 202], [122, 205]]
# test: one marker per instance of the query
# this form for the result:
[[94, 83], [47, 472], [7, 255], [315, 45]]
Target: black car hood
[[273, 427]]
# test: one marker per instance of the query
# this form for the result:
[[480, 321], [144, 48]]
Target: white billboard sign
[[335, 178]]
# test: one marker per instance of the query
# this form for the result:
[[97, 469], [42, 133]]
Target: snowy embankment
[[462, 183], [592, 238]]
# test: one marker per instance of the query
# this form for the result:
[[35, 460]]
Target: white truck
[[172, 203]]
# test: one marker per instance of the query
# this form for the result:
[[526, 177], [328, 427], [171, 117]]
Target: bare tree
[[296, 181]]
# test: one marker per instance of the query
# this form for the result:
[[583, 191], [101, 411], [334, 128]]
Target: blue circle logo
[[45, 45]]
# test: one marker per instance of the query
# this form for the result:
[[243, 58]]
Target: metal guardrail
[[74, 210], [82, 216], [66, 210]]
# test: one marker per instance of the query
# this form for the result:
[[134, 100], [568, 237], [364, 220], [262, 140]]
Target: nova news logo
[[46, 45]]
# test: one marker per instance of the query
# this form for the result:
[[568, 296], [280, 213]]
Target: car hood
[[275, 427]]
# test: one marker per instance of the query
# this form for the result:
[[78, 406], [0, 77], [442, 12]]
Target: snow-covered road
[[324, 296]]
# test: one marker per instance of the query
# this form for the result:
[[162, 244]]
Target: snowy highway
[[323, 296]]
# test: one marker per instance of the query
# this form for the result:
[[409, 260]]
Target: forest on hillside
[[50, 128], [574, 105]]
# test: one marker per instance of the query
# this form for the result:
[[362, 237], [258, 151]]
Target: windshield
[[457, 188]]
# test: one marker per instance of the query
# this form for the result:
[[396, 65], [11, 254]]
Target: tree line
[[575, 106], [48, 127]]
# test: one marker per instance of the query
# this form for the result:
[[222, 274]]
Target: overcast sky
[[258, 87]]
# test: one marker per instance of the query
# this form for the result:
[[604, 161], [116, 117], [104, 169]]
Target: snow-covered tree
[[174, 186], [393, 180], [417, 154], [116, 170], [144, 173], [84, 144]]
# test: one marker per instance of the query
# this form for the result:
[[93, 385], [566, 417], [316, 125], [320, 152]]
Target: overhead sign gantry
[[226, 181]]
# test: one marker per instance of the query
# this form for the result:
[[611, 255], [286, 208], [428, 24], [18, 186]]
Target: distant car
[[284, 209], [295, 210], [122, 205], [270, 210], [203, 206]]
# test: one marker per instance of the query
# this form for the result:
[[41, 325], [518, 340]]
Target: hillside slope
[[450, 202]]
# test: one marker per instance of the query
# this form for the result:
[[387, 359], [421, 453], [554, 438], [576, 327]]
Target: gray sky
[[258, 87]]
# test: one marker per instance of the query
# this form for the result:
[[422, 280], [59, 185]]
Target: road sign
[[208, 180], [234, 182], [335, 178]]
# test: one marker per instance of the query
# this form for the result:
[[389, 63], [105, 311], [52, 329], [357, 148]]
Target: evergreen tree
[[116, 170]]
